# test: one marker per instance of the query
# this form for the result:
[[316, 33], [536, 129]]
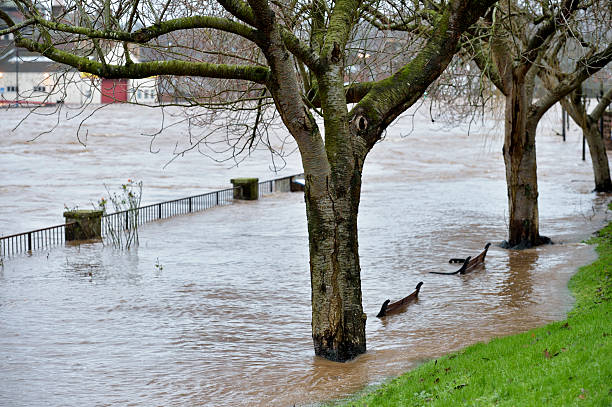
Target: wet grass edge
[[564, 363]]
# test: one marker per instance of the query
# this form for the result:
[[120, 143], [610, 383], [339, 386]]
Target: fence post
[[87, 224], [158, 211], [246, 188], [29, 242], [189, 204], [563, 119]]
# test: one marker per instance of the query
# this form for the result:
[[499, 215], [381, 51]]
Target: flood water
[[213, 309]]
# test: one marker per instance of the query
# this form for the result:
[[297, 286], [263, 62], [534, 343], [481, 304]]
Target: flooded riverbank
[[214, 308]]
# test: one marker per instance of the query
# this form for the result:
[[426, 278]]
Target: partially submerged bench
[[398, 306], [469, 263]]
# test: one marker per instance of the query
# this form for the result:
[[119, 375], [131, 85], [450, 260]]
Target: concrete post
[[88, 224], [248, 188]]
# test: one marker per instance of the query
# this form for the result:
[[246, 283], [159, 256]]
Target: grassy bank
[[561, 364]]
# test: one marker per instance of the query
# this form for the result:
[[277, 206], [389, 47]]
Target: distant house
[[26, 77]]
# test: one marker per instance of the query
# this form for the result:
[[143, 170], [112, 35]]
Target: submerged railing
[[33, 240], [134, 217], [56, 235]]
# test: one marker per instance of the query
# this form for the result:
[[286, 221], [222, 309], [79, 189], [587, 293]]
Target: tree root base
[[607, 188], [344, 353], [526, 244]]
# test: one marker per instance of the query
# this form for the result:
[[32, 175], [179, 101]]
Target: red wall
[[114, 90]]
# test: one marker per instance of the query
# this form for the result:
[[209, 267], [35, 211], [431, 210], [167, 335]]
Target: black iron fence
[[56, 235], [128, 219], [276, 185], [33, 240]]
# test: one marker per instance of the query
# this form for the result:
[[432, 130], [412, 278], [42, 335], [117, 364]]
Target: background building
[[26, 77]]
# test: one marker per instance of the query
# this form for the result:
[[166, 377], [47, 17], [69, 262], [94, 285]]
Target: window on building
[[40, 89], [11, 89]]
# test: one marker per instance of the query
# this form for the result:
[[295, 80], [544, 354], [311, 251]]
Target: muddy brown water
[[213, 309]]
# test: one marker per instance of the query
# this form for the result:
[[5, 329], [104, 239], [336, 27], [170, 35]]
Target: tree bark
[[338, 321], [332, 203], [599, 158], [521, 168]]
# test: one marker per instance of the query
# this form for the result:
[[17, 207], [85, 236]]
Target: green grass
[[565, 363]]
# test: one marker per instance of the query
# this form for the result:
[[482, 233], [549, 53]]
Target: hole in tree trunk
[[361, 123]]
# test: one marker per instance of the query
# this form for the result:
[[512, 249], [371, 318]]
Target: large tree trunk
[[521, 169], [597, 149], [338, 321], [332, 192]]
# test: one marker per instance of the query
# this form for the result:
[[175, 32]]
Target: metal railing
[[128, 219], [276, 185], [33, 240], [134, 217]]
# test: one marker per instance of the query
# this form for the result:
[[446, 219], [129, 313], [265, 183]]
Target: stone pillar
[[246, 188], [88, 224]]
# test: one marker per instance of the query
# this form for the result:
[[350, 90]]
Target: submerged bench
[[398, 306], [469, 263]]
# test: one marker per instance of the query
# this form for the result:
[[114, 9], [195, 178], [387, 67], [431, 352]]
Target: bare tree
[[296, 57], [511, 50], [513, 47], [588, 122], [576, 106], [583, 39]]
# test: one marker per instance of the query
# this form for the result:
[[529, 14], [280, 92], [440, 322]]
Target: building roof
[[28, 61]]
